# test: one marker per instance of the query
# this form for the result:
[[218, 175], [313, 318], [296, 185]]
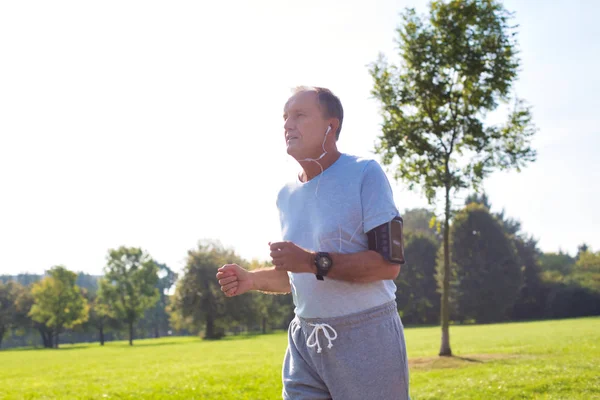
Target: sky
[[159, 124]]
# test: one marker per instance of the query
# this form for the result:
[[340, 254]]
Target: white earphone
[[320, 157]]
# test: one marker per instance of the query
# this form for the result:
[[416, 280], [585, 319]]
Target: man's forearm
[[363, 267], [269, 280]]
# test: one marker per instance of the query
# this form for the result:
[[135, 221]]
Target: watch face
[[324, 262]]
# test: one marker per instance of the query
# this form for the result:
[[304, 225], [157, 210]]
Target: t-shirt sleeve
[[377, 199]]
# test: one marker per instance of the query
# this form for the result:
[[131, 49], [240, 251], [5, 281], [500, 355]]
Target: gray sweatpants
[[361, 356]]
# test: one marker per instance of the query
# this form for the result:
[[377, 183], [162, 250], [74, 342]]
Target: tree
[[129, 284], [9, 293], [24, 303], [179, 324], [156, 318], [101, 317], [58, 302], [487, 274], [198, 298], [268, 309], [456, 67], [531, 297], [418, 299]]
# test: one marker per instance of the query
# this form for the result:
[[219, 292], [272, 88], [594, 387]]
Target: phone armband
[[388, 240]]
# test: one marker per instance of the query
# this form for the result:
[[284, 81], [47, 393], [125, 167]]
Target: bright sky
[[157, 124]]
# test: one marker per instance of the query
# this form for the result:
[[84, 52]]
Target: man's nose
[[288, 124]]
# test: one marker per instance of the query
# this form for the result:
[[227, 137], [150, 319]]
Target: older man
[[347, 340]]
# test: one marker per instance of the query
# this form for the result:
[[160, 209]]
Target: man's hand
[[234, 280], [288, 256]]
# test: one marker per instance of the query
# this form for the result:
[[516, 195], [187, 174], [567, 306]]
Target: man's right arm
[[269, 280], [235, 280]]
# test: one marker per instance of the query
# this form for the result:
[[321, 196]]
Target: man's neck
[[310, 169]]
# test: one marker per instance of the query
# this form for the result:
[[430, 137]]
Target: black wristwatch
[[323, 262]]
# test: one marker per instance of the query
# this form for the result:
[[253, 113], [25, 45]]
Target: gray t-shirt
[[332, 213]]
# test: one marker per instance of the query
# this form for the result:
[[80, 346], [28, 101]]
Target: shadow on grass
[[20, 349], [60, 348], [247, 335], [91, 345], [237, 337], [147, 342], [428, 363], [144, 343], [469, 359]]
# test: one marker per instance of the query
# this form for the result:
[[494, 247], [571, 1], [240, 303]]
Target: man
[[347, 340]]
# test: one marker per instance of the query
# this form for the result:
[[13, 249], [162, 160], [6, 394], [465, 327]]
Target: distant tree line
[[498, 274], [136, 297], [63, 306]]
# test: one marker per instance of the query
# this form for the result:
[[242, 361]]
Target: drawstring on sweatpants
[[314, 336]]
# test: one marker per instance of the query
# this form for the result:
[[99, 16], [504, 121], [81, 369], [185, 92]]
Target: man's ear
[[334, 123]]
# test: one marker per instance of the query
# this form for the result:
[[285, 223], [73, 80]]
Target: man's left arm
[[362, 267]]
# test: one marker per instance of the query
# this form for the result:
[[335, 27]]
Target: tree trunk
[[445, 311], [56, 341], [2, 332], [156, 332], [264, 325], [131, 333], [101, 329], [47, 336]]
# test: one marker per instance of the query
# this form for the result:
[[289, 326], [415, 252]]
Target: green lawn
[[545, 360]]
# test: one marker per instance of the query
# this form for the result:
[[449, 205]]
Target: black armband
[[387, 239]]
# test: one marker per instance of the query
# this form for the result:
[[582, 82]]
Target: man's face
[[304, 126]]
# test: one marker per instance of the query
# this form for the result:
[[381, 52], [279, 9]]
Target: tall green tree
[[129, 284], [9, 292], [456, 66], [487, 272], [57, 302]]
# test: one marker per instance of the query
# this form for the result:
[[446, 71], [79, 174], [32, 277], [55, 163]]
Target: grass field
[[541, 360]]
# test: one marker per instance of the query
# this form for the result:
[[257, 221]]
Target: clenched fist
[[234, 280], [288, 256]]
